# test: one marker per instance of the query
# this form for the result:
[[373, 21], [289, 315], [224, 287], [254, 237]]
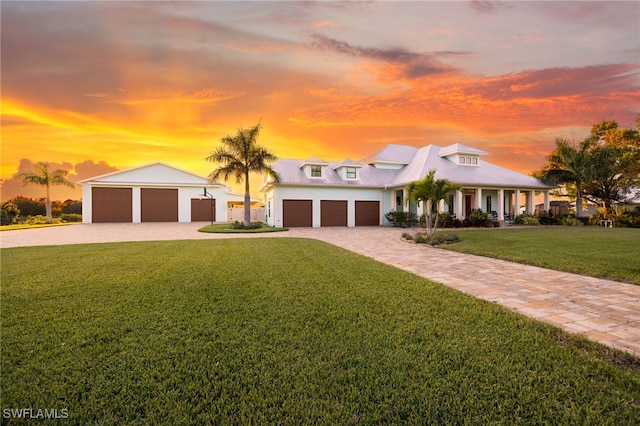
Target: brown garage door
[[111, 205], [297, 213], [201, 210], [158, 205], [333, 213], [367, 213]]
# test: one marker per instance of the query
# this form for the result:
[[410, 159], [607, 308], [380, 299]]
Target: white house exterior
[[154, 192], [318, 193]]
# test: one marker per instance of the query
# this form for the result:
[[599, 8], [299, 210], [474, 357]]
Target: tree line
[[19, 209], [603, 168]]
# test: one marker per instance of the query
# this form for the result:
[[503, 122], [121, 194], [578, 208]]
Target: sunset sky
[[92, 87]]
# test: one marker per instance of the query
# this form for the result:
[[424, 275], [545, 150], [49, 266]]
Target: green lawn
[[286, 331], [612, 253]]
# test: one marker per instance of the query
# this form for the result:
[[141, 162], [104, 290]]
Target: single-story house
[[317, 193], [156, 192]]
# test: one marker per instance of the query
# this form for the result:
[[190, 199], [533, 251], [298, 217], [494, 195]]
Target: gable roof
[[413, 164], [153, 173]]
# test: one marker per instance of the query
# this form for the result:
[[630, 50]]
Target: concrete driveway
[[603, 310]]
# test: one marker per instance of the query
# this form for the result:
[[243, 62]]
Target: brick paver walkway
[[603, 310]]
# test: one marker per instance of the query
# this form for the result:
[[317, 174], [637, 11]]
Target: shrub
[[240, 225], [421, 238], [402, 219], [435, 240], [570, 220], [438, 239], [407, 236], [9, 213], [627, 218], [544, 218], [71, 217], [40, 220], [478, 218], [526, 220]]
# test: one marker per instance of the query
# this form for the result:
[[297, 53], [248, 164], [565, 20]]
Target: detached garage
[[154, 193]]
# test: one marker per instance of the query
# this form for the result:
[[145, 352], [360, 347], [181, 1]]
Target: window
[[468, 160], [316, 171], [489, 209], [351, 173], [399, 200]]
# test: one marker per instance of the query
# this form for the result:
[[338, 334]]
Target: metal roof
[[416, 163]]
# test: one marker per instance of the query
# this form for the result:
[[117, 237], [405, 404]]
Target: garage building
[[155, 192]]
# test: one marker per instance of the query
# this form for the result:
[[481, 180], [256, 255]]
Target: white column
[[315, 215], [516, 202], [457, 205], [547, 205], [87, 214], [500, 204], [441, 206], [136, 205], [531, 205], [479, 198]]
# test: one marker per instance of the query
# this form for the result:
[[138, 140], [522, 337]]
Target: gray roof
[[411, 164]]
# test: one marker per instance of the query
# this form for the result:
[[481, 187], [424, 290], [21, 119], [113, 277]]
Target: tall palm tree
[[568, 164], [44, 177], [240, 155], [430, 191]]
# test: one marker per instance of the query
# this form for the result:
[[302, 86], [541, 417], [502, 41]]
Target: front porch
[[501, 203]]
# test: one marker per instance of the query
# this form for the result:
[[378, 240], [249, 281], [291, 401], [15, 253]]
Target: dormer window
[[348, 169], [314, 168]]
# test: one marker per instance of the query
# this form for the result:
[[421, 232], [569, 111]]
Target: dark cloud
[[593, 80], [484, 6], [416, 64]]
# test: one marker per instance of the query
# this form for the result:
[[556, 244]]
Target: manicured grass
[[612, 253], [285, 331], [225, 228]]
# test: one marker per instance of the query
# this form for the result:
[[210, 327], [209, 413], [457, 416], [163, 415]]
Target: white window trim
[[321, 168]]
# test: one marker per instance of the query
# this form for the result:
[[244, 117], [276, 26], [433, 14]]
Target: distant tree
[[239, 156], [72, 206], [568, 165], [615, 164], [29, 206], [604, 168], [430, 191], [44, 177]]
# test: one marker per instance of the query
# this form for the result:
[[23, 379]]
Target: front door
[[468, 203]]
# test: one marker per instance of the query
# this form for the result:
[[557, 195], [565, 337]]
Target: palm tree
[[46, 178], [570, 165], [430, 191], [240, 155]]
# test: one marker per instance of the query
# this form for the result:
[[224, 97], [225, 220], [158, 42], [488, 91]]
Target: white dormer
[[348, 169], [314, 168], [462, 155]]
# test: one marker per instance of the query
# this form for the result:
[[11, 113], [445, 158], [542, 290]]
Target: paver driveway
[[603, 310]]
